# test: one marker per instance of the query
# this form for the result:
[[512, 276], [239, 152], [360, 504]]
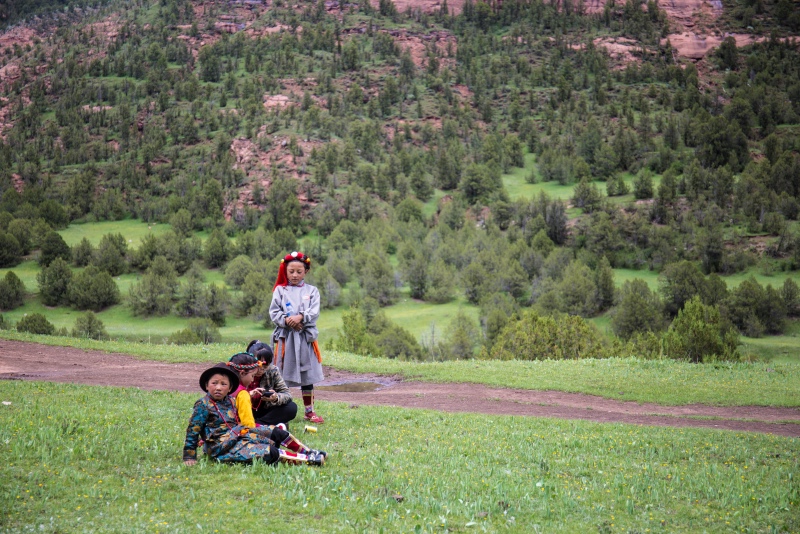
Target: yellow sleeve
[[245, 408]]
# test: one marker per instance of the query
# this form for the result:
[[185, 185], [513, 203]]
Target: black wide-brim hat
[[219, 369]]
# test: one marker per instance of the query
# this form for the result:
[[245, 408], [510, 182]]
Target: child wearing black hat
[[278, 407], [216, 421]]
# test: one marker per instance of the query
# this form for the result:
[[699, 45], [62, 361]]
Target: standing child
[[216, 421], [278, 407], [295, 310]]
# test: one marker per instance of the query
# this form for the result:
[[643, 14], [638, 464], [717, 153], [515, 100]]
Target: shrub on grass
[[354, 337], [790, 294], [82, 253], [217, 303], [93, 289], [90, 327], [36, 323], [699, 334], [181, 222], [216, 249], [54, 247], [157, 291], [237, 270], [111, 254], [330, 291], [536, 337], [12, 292], [200, 331], [576, 293], [397, 342], [21, 230], [54, 213], [643, 184], [755, 309], [678, 283], [496, 309], [4, 325], [408, 210], [461, 339], [184, 337], [377, 279], [10, 250], [441, 283], [639, 310], [54, 282]]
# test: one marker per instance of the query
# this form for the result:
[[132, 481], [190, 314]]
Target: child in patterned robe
[[216, 422]]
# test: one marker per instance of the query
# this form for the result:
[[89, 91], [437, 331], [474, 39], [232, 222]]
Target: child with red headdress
[[295, 310]]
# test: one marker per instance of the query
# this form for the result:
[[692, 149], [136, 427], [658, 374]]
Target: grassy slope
[[76, 470], [517, 186], [133, 230], [415, 316], [658, 381], [651, 277]]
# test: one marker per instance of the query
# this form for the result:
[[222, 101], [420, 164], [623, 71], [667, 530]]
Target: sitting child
[[215, 420], [246, 367], [278, 408]]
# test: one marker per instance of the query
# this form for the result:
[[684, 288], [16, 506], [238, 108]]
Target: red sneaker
[[314, 418]]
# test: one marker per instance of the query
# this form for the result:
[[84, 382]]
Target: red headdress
[[283, 280]]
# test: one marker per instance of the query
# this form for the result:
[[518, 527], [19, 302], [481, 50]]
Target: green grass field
[[132, 229], [651, 277], [420, 318], [517, 186], [80, 458], [416, 316], [782, 348]]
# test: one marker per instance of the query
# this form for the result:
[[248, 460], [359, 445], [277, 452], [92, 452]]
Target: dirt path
[[28, 361]]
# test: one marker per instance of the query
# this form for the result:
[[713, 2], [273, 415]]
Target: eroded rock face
[[684, 12], [695, 46]]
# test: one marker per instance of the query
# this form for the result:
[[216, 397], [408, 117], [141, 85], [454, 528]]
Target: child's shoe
[[316, 458], [312, 417]]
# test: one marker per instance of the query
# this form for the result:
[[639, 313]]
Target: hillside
[[513, 156]]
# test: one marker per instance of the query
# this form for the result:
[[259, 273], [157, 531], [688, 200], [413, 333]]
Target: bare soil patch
[[30, 361], [696, 46], [257, 164]]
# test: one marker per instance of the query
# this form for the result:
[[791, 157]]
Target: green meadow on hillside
[[422, 319], [109, 460], [133, 230], [518, 187], [732, 281]]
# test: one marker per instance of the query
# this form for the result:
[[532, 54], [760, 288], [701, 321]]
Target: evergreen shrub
[[537, 337], [36, 323]]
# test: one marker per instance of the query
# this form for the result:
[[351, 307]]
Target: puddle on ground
[[352, 387], [11, 376]]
